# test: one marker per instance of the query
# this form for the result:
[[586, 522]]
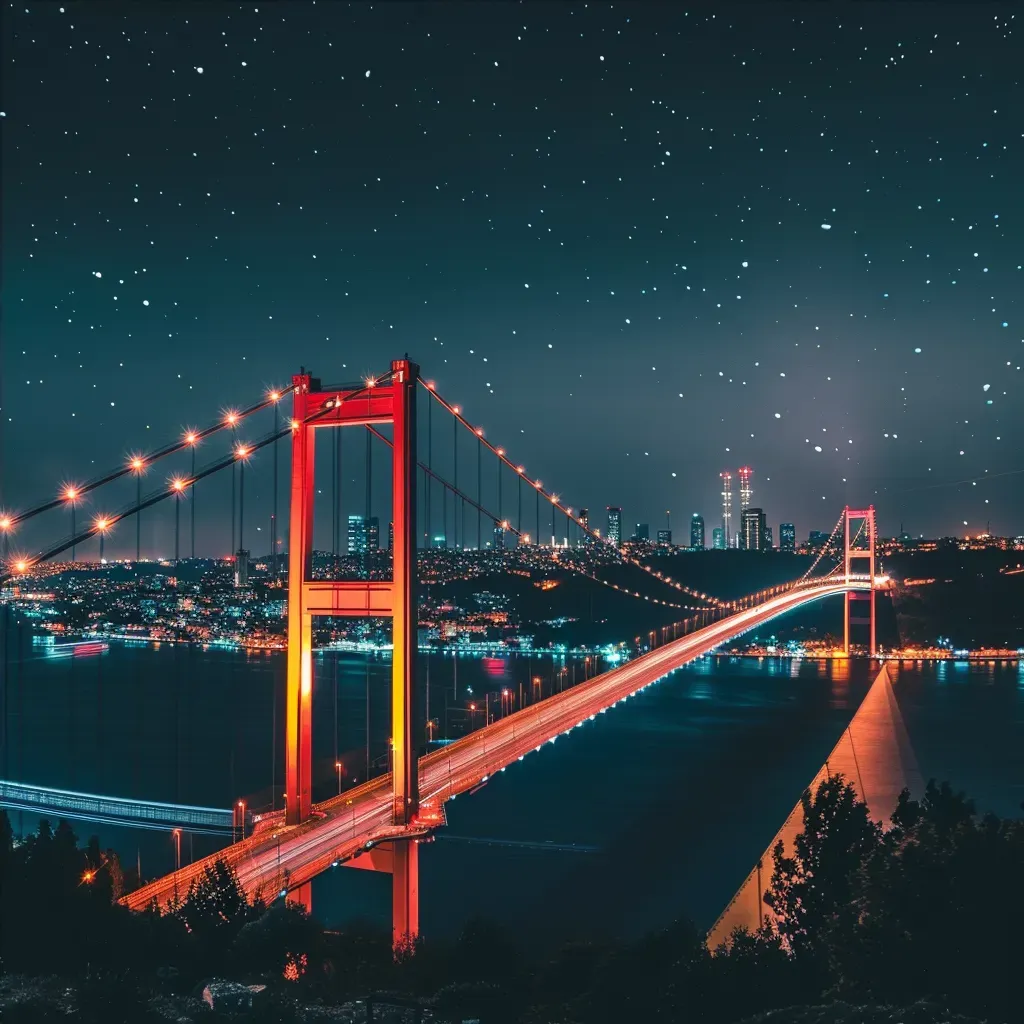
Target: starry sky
[[640, 244]]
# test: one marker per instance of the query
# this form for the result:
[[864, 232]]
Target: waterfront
[[677, 791]]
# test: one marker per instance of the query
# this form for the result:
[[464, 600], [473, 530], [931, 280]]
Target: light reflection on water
[[690, 779]]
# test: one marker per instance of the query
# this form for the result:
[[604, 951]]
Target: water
[[668, 800]]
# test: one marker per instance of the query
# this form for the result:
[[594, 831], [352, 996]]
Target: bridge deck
[[278, 857]]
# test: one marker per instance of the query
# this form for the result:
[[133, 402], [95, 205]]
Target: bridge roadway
[[277, 858]]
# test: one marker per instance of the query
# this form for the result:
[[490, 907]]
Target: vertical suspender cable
[[455, 461], [479, 491], [192, 494], [273, 510]]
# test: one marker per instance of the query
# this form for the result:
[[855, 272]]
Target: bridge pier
[[302, 896], [405, 893]]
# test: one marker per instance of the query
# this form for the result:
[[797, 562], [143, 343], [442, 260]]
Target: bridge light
[[500, 451], [457, 409], [430, 385], [295, 424], [370, 382], [231, 417], [192, 438], [137, 464], [5, 523], [242, 452], [70, 493], [479, 431], [520, 469], [21, 565], [102, 524], [178, 483], [274, 396]]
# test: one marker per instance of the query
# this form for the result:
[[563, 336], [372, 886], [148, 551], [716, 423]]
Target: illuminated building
[[614, 525], [440, 542], [363, 535], [664, 538], [585, 518], [769, 539], [752, 525], [697, 532], [718, 539], [816, 539], [241, 568], [642, 532], [726, 507], [391, 536], [746, 475], [787, 537]]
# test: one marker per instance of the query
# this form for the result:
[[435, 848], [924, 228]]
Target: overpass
[[356, 828], [114, 810]]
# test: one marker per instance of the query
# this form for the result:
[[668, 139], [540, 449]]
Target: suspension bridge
[[381, 824]]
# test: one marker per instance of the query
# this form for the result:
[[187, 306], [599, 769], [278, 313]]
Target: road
[[278, 857]]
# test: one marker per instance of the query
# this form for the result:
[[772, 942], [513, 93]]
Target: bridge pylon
[[859, 548], [392, 399]]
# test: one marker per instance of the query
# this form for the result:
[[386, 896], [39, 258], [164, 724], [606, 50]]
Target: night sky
[[639, 244]]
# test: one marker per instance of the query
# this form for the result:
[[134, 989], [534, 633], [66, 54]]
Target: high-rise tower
[[726, 506], [746, 475]]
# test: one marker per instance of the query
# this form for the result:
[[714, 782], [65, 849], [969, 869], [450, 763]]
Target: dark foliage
[[927, 910]]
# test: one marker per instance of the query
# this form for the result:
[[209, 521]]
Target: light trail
[[278, 858]]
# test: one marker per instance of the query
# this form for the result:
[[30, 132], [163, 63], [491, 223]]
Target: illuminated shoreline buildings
[[746, 475]]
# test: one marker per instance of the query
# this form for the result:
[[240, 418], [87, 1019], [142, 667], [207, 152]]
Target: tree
[[938, 905], [812, 891]]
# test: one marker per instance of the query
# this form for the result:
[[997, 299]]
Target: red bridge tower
[[392, 400], [859, 547]]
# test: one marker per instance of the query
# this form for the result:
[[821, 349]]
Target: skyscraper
[[769, 539], [746, 475], [718, 539], [787, 537], [614, 525], [726, 506], [643, 532], [697, 532], [585, 523], [664, 538], [363, 535], [753, 529]]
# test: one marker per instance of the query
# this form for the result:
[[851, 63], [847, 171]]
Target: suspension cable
[[178, 485], [553, 498], [138, 462]]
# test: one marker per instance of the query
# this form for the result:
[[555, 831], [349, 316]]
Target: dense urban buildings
[[718, 539]]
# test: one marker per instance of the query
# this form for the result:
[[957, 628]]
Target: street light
[[338, 766]]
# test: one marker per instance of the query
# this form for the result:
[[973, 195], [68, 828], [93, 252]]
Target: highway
[[277, 858]]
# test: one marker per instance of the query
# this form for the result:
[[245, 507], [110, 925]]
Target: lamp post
[[338, 766]]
